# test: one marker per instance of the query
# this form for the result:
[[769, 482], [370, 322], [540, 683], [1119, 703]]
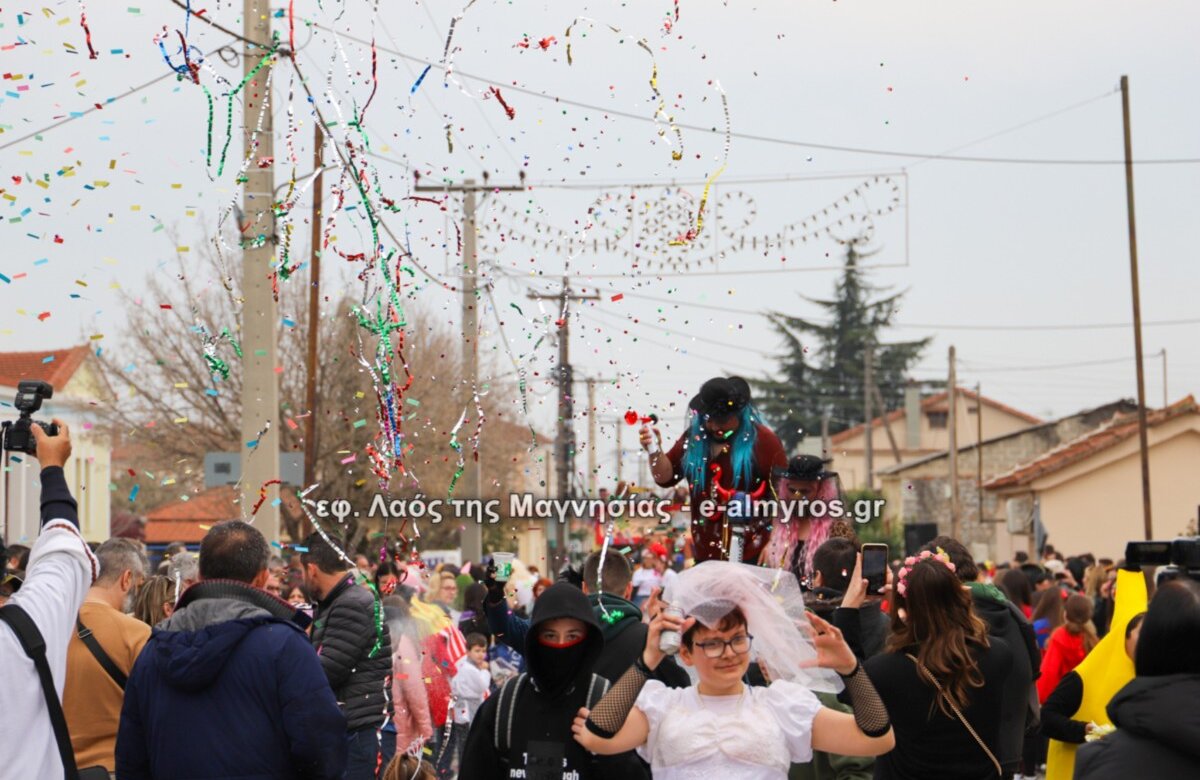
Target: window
[[937, 419]]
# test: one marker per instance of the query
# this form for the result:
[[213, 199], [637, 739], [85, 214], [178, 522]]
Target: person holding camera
[[37, 623]]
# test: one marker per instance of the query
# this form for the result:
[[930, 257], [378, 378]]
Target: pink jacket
[[409, 701]]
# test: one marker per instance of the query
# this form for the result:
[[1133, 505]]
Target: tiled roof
[[1121, 428], [180, 521], [57, 370], [936, 402]]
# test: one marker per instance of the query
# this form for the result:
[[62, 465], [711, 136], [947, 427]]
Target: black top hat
[[722, 395], [805, 467]]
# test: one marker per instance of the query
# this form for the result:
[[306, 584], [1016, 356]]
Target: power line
[[97, 107], [770, 139]]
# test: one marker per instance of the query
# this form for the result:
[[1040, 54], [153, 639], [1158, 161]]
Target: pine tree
[[821, 366]]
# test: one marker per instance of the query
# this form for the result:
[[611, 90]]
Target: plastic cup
[[503, 562]]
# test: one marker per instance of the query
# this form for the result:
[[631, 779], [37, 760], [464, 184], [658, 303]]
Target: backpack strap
[[35, 647], [596, 690], [505, 705], [89, 640]]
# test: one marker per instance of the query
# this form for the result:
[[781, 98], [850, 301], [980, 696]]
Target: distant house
[[77, 392], [918, 491], [920, 429], [1087, 492]]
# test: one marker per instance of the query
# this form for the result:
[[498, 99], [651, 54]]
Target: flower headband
[[911, 561]]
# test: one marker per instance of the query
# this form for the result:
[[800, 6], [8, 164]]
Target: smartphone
[[874, 567]]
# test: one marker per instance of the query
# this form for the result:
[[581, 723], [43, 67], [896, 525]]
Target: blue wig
[[741, 454]]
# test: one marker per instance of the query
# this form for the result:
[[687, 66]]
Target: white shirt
[[645, 581], [755, 735], [470, 687], [61, 569]]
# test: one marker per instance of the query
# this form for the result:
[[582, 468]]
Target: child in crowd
[[470, 687]]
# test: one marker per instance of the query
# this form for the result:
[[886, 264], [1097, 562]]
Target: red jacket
[[1064, 651]]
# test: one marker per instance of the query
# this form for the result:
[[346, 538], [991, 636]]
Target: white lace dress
[[756, 735]]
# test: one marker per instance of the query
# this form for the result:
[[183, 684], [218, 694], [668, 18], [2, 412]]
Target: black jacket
[[356, 653], [625, 639], [1005, 622], [865, 628], [542, 746], [1158, 731]]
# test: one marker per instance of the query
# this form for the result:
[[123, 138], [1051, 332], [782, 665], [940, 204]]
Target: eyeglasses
[[715, 648]]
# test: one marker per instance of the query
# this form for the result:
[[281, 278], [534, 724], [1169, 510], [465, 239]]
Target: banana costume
[[1105, 671]]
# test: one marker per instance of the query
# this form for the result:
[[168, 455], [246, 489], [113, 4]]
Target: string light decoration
[[632, 226]]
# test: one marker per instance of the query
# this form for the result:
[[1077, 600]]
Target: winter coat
[[228, 687], [409, 701], [541, 745], [355, 649], [1006, 622], [1064, 652], [1158, 731]]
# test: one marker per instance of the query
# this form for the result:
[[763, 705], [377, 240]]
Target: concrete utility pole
[[260, 383], [868, 431], [471, 481], [979, 448], [952, 449], [566, 410], [592, 432], [1143, 438]]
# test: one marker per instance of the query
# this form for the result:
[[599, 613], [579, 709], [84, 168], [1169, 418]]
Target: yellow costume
[[1105, 671]]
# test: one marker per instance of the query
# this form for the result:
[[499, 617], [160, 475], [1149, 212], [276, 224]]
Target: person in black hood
[[1158, 723], [533, 739], [607, 589]]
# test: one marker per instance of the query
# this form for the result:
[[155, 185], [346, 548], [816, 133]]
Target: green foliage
[[821, 367]]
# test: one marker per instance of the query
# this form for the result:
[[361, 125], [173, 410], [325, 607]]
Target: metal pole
[[472, 533], [314, 320], [979, 448], [1166, 402], [952, 447], [260, 383], [868, 432], [1143, 438], [566, 422], [591, 456]]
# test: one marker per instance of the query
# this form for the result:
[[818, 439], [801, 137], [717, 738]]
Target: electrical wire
[[774, 140]]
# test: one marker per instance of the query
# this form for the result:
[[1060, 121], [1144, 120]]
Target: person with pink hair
[[806, 490]]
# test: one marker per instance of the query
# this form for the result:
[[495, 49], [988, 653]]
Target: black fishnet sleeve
[[610, 713], [869, 712]]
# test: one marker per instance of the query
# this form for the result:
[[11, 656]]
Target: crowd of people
[[232, 661]]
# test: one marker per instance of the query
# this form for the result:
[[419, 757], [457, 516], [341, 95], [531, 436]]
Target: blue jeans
[[368, 749]]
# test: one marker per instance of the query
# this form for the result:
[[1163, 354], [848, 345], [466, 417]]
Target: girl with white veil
[[734, 614]]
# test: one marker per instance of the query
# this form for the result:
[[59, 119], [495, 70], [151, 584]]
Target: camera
[[1179, 558], [18, 434]]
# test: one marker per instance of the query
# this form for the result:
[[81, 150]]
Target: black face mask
[[555, 668]]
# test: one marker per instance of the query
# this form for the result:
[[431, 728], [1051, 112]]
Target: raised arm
[[869, 731], [616, 725]]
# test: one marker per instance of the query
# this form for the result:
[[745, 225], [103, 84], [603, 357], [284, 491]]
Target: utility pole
[[592, 432], [1166, 403], [314, 319], [470, 483], [566, 408], [260, 383], [869, 433], [979, 448], [887, 424], [952, 429], [1143, 438]]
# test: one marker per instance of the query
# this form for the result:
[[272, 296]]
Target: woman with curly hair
[[941, 677]]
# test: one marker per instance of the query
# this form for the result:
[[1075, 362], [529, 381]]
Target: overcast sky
[[975, 243]]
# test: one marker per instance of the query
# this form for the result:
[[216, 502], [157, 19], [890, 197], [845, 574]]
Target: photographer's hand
[[52, 450]]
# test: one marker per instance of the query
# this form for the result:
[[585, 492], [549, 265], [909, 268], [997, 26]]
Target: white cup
[[503, 561]]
